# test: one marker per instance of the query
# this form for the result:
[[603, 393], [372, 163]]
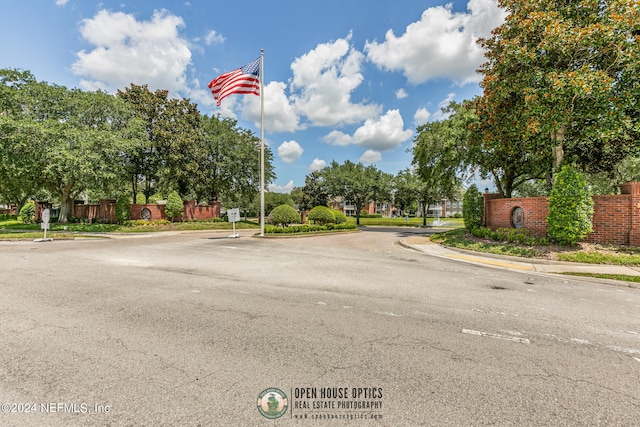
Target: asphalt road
[[191, 329]]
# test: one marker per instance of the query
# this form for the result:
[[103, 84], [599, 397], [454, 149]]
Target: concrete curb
[[539, 266]]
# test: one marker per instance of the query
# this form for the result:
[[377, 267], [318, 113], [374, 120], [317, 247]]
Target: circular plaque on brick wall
[[517, 217], [145, 213]]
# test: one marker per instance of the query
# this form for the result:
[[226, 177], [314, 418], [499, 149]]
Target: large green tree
[[169, 156], [315, 191], [228, 159], [20, 160], [64, 141], [82, 148], [357, 184], [561, 81], [441, 148], [406, 190]]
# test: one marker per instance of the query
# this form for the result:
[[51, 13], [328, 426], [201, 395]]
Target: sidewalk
[[423, 244]]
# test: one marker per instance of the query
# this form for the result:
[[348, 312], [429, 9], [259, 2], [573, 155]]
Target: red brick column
[[487, 197], [633, 188]]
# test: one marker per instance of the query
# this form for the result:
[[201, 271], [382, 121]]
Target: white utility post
[[233, 216]]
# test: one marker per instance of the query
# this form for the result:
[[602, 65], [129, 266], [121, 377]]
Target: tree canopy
[[562, 81], [65, 143], [357, 184]]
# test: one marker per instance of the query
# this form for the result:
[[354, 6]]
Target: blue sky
[[344, 79]]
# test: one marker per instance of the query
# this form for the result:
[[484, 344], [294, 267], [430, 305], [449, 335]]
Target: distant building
[[347, 207], [444, 209]]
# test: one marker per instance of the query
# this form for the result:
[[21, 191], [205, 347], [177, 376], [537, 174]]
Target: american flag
[[242, 81]]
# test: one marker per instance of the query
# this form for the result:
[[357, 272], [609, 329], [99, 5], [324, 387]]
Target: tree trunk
[[65, 209], [557, 154], [134, 187]]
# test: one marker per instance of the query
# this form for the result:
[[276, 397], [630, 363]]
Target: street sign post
[[233, 216], [46, 216]]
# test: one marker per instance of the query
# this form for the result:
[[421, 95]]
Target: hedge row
[[293, 229]]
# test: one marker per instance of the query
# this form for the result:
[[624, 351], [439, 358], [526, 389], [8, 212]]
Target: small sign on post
[[46, 216], [233, 216]]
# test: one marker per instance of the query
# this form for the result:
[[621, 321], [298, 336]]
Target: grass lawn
[[459, 238], [13, 230], [412, 222]]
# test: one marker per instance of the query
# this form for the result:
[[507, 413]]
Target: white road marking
[[388, 313], [623, 349], [513, 333], [490, 335], [579, 341]]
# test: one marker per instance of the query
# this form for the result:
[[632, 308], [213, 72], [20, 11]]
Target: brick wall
[[191, 211], [616, 218], [498, 213]]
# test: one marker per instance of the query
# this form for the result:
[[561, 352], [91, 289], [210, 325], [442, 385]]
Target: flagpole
[[261, 142]]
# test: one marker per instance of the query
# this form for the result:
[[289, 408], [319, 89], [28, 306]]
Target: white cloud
[[441, 45], [279, 113], [317, 164], [370, 157], [213, 37], [401, 94], [323, 80], [281, 188], [61, 2], [131, 51], [338, 138], [290, 151], [382, 134], [421, 116]]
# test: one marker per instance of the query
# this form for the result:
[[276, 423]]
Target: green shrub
[[140, 199], [147, 223], [175, 206], [472, 208], [28, 213], [364, 214], [298, 229], [123, 209], [340, 217], [284, 215], [570, 208], [521, 236], [321, 215], [155, 198]]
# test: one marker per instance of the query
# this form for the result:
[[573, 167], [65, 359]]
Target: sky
[[343, 79]]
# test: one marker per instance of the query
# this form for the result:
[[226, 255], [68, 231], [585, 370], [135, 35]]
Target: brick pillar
[[189, 211], [215, 206], [487, 197], [633, 188]]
